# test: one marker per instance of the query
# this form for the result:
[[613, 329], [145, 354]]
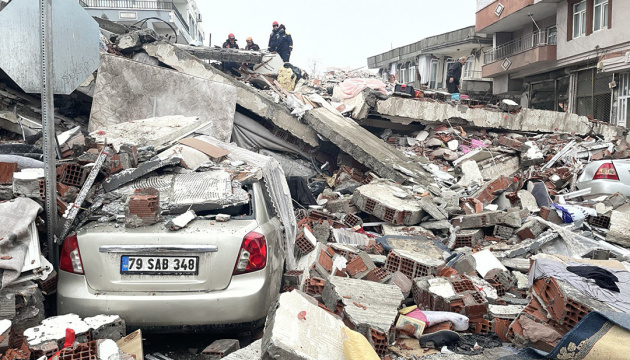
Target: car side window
[[271, 209]]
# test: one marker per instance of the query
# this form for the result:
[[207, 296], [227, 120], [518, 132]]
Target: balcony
[[532, 50], [525, 43], [511, 15], [136, 5]]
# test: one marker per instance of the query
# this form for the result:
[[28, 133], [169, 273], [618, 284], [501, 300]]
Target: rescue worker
[[284, 44], [251, 45], [272, 37], [230, 43]]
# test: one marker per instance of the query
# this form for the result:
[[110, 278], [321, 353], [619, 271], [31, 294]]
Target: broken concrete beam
[[106, 327], [530, 245], [135, 39], [27, 182], [298, 329], [117, 180], [251, 352], [368, 306], [223, 55], [220, 348], [257, 102], [400, 110], [475, 221], [531, 154], [619, 226], [365, 147], [430, 207], [389, 202]]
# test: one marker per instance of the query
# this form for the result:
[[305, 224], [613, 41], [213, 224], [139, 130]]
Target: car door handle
[[157, 248]]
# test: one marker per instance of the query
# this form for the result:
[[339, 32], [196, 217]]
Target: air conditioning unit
[[198, 17]]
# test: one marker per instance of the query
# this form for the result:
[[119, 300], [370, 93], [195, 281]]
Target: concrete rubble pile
[[419, 225]]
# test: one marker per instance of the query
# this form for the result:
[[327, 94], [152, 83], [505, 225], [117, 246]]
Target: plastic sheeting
[[249, 134], [278, 190], [353, 87]]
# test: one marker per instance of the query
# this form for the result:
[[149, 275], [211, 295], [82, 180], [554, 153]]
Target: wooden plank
[[132, 345]]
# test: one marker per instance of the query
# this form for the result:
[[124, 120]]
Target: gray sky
[[338, 33]]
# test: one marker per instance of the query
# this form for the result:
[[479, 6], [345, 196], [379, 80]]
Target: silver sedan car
[[208, 273], [606, 177]]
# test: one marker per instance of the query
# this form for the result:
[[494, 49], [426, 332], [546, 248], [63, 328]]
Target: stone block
[[389, 202], [297, 329], [619, 225]]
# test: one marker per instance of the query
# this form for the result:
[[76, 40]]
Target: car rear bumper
[[247, 299], [604, 187]]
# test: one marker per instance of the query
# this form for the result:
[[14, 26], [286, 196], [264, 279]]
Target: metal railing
[[129, 4], [136, 4], [525, 43], [472, 74]]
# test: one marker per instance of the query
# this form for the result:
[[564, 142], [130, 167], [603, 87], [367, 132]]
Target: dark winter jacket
[[253, 47], [455, 72], [272, 38], [228, 45]]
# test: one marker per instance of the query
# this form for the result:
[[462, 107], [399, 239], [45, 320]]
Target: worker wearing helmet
[[272, 37], [251, 45], [230, 43]]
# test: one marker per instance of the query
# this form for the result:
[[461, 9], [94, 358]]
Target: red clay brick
[[6, 172]]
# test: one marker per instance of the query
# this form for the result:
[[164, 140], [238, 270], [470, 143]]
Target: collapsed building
[[404, 217]]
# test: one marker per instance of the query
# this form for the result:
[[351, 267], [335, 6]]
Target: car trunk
[[216, 246]]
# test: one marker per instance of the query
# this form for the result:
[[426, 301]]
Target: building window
[[552, 35], [579, 19], [600, 15], [412, 74], [200, 38], [433, 74], [191, 25], [402, 75], [447, 65], [469, 67]]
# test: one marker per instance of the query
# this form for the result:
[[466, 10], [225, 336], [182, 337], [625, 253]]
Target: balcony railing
[[136, 4], [472, 74], [525, 43]]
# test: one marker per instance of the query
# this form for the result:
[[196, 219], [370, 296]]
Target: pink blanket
[[352, 87]]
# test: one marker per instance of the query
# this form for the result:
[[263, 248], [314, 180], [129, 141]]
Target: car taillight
[[606, 171], [253, 254], [70, 258]]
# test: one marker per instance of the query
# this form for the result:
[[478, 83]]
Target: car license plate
[[159, 265]]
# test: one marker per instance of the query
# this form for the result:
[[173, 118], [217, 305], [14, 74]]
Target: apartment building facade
[[166, 17], [424, 63], [560, 55]]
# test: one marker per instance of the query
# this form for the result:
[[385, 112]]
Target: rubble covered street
[[371, 223]]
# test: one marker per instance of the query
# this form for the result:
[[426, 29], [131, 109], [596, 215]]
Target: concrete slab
[[247, 97], [251, 352], [365, 147], [401, 110], [298, 329], [128, 90], [367, 305]]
